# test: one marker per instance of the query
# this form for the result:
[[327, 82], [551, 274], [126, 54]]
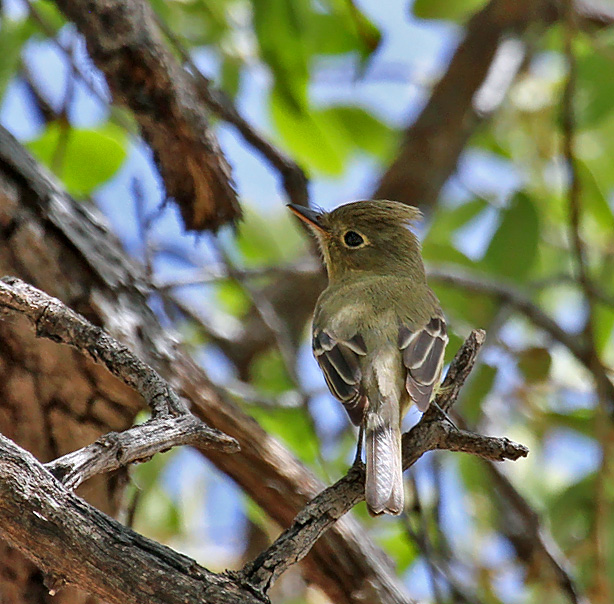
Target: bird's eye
[[353, 239]]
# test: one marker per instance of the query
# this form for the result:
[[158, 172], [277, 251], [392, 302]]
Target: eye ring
[[353, 239]]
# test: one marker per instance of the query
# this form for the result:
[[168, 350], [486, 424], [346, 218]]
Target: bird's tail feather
[[384, 481]]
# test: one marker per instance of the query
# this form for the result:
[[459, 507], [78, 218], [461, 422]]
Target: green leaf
[[280, 26], [269, 239], [444, 253], [595, 201], [476, 390], [232, 298], [451, 10], [571, 514], [603, 327], [310, 136], [395, 543], [473, 310], [49, 13], [449, 220], [513, 247], [581, 420], [361, 129], [596, 87], [268, 373], [454, 343], [230, 75], [534, 364], [292, 426], [83, 159], [343, 29], [13, 35]]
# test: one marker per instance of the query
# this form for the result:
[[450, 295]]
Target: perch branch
[[430, 433]]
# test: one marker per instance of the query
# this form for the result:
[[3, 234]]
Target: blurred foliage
[[526, 386]]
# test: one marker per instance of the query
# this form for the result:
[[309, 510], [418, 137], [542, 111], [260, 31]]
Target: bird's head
[[366, 236]]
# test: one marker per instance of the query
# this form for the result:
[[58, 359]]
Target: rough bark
[[76, 543], [52, 400], [70, 254], [124, 42]]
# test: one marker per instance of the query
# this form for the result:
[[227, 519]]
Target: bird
[[378, 332]]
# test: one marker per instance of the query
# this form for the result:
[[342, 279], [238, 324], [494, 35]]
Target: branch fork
[[171, 423]]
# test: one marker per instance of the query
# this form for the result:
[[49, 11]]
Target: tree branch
[[335, 501], [72, 542], [123, 41], [116, 450], [432, 144], [99, 278], [293, 177], [171, 424]]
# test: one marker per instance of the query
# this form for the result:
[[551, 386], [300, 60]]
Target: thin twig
[[602, 588], [421, 538], [574, 190], [115, 450], [294, 179], [522, 303], [47, 29]]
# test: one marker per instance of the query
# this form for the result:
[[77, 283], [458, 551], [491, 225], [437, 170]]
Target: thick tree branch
[[433, 143], [72, 542], [124, 42]]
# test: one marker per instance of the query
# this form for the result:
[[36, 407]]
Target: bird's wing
[[339, 361], [423, 351]]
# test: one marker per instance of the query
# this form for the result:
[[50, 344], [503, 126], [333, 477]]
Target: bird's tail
[[384, 481]]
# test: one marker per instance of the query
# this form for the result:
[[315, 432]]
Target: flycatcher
[[379, 334]]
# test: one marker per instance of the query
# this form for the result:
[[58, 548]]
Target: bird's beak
[[310, 217]]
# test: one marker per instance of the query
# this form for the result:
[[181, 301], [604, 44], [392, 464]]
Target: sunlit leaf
[[603, 328], [448, 220], [342, 29], [269, 238], [13, 35], [452, 10], [232, 298], [597, 87], [361, 129], [292, 426], [83, 159], [281, 29], [310, 136], [397, 544], [269, 374]]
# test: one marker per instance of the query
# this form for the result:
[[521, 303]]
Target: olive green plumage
[[378, 331]]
